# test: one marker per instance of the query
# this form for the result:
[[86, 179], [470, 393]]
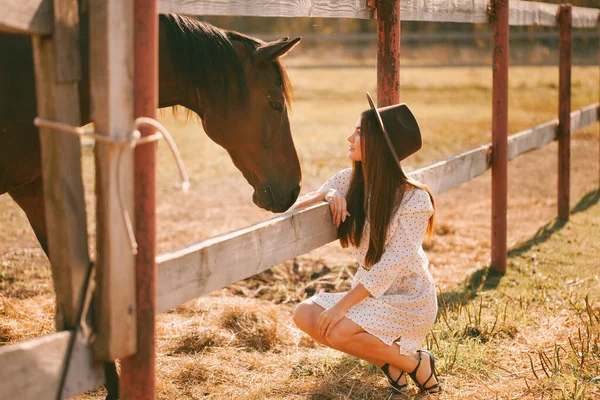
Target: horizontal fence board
[[585, 116], [465, 11], [269, 8], [532, 13], [35, 16], [584, 17], [473, 11], [31, 369], [531, 139], [453, 171], [214, 263], [26, 16]]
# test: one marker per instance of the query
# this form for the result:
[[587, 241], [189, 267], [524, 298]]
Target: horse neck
[[170, 85]]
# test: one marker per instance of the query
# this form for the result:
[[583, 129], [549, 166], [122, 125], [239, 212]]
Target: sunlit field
[[240, 342]]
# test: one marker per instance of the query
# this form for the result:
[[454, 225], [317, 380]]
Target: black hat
[[400, 129]]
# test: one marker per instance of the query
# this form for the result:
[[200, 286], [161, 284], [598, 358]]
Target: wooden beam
[[531, 139], [58, 99], [269, 8], [453, 171], [35, 16], [465, 11], [111, 67], [217, 262], [584, 117], [32, 369], [471, 11], [26, 16], [214, 263]]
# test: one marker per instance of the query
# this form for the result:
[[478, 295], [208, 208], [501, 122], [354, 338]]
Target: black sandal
[[422, 387], [394, 383]]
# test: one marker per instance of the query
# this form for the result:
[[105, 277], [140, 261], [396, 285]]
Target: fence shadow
[[487, 278], [587, 201], [546, 231]]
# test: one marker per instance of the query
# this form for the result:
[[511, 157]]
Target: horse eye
[[276, 105]]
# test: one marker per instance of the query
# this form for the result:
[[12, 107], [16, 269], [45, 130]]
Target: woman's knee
[[339, 336], [303, 315]]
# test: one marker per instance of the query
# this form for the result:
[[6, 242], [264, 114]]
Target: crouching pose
[[383, 216]]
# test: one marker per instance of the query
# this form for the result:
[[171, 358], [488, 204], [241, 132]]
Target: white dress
[[402, 306]]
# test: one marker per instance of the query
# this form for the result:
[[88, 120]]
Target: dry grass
[[240, 342]]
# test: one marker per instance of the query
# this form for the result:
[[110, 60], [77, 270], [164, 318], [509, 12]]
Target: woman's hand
[[337, 205], [329, 318]]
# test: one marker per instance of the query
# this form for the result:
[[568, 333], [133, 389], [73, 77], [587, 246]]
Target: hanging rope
[[135, 138]]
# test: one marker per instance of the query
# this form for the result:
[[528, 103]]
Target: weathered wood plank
[[544, 14], [532, 13], [31, 369], [465, 11], [214, 263], [111, 75], [584, 117], [63, 187], [269, 8], [453, 171], [584, 17], [35, 16], [473, 11], [66, 37], [530, 139], [26, 16]]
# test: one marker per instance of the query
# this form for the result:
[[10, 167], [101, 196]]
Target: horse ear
[[269, 52]]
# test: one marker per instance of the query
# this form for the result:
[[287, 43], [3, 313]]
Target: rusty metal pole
[[138, 371], [388, 52], [564, 111], [499, 133]]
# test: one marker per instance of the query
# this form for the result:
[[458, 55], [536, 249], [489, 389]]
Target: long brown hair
[[374, 185]]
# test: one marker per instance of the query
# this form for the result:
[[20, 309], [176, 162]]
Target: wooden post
[[57, 74], [500, 133], [140, 367], [564, 111], [388, 52], [111, 70]]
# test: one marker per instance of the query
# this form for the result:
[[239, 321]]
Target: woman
[[392, 304]]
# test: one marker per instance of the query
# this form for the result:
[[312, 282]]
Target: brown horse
[[233, 82]]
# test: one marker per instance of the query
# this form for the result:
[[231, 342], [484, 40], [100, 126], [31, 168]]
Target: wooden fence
[[31, 369]]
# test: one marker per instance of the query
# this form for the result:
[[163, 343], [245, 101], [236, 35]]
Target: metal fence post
[[139, 370], [388, 52], [564, 111], [500, 133]]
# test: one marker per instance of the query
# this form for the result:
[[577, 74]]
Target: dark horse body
[[235, 84]]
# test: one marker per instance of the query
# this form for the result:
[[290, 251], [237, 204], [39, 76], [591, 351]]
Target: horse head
[[243, 98]]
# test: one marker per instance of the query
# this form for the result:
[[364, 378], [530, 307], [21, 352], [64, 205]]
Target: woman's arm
[[308, 199], [331, 316], [337, 204]]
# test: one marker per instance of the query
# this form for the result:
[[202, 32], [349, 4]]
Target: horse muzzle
[[265, 198]]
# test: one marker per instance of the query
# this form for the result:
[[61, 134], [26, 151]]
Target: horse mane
[[206, 59]]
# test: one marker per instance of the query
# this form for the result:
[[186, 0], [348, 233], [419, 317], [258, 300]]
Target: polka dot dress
[[402, 306]]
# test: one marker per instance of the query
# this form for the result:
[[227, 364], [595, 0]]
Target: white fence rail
[[35, 16]]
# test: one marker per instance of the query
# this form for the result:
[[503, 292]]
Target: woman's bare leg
[[350, 338], [306, 315]]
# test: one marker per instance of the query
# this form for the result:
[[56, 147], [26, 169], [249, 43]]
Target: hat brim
[[382, 126]]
